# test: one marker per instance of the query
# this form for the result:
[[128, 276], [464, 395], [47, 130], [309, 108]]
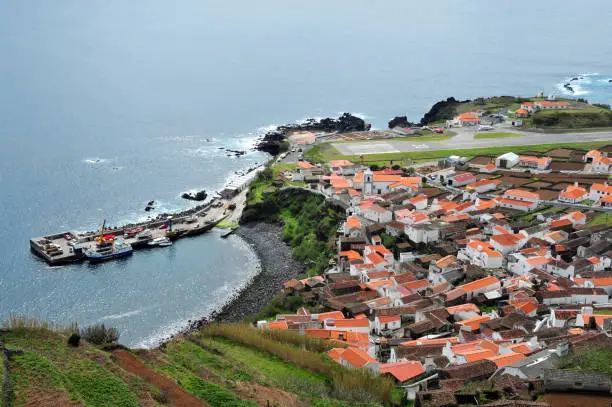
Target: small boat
[[109, 252], [161, 242]]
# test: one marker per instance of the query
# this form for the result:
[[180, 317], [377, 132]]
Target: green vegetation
[[99, 334], [226, 224], [599, 360], [592, 116], [325, 152], [601, 219], [487, 308], [309, 223], [287, 304], [346, 384], [497, 135], [85, 374], [223, 365]]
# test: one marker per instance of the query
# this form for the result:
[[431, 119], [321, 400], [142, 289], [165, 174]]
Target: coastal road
[[463, 140]]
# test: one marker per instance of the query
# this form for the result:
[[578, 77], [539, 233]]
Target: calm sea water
[[105, 105]]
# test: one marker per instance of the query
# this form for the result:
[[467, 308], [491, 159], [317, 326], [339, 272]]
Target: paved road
[[463, 140]]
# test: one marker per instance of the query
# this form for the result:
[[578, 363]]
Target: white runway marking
[[369, 148]]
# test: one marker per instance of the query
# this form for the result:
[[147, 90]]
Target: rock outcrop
[[401, 121], [198, 196], [274, 142]]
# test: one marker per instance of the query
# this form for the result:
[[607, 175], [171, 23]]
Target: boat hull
[[99, 258]]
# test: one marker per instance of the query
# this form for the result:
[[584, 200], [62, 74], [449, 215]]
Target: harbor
[[112, 242]]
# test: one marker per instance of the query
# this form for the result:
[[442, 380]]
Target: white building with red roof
[[460, 180], [599, 191], [551, 105], [386, 323], [481, 254]]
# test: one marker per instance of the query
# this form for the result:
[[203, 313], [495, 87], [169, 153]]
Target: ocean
[[107, 104]]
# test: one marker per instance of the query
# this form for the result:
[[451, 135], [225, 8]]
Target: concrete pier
[[68, 247]]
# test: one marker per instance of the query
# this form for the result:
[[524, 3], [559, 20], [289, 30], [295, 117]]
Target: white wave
[[122, 315], [95, 160]]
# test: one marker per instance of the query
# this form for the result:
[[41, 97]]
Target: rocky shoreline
[[277, 266]]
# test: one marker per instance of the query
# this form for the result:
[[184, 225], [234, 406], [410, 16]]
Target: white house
[[551, 105], [423, 232], [601, 164], [387, 323], [419, 202], [508, 243], [344, 167], [481, 254], [460, 180], [540, 163], [507, 160], [484, 185], [481, 286], [520, 265], [519, 199], [374, 212], [573, 194], [352, 227], [599, 191]]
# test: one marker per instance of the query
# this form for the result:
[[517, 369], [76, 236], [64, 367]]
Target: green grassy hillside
[[223, 365]]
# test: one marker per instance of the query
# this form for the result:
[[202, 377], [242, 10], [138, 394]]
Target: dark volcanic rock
[[274, 142], [198, 196], [442, 110], [400, 121]]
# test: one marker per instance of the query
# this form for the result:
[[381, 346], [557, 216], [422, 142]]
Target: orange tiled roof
[[474, 323], [414, 285], [356, 357], [505, 239], [386, 178], [476, 355], [350, 254], [336, 315], [305, 165], [483, 282], [402, 371], [522, 193], [602, 187], [507, 359], [352, 222], [352, 323], [552, 104], [517, 202], [573, 192]]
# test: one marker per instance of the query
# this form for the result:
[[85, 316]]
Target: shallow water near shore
[[106, 105]]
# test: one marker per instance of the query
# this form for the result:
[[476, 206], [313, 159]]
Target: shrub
[[74, 340], [99, 334], [163, 397]]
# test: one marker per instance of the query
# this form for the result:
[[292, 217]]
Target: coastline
[[277, 266]]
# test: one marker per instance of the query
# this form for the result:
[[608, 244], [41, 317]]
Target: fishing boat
[[113, 251], [107, 247], [142, 239], [161, 242]]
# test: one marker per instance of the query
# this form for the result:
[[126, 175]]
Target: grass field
[[497, 135], [213, 368], [601, 219], [324, 152]]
